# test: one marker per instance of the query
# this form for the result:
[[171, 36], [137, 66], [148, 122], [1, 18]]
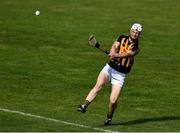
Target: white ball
[[37, 13]]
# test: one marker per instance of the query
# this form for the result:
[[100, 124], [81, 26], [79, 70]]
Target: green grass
[[47, 67]]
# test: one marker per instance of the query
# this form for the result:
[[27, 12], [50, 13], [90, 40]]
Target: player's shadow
[[146, 120]]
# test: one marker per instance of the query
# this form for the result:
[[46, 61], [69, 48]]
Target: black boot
[[81, 109]]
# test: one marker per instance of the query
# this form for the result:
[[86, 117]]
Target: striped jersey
[[124, 65]]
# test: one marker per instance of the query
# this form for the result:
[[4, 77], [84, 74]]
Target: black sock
[[109, 115], [86, 104]]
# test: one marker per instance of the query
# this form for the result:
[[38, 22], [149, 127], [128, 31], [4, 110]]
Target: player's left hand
[[112, 55]]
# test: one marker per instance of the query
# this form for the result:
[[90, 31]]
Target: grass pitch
[[47, 67]]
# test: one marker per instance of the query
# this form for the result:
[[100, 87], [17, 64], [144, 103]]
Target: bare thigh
[[102, 79]]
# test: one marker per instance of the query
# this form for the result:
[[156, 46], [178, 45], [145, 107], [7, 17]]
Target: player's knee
[[113, 100], [97, 87]]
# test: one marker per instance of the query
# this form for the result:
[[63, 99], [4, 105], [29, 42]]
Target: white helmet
[[137, 27]]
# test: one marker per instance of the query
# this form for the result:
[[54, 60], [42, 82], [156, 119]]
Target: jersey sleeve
[[120, 38]]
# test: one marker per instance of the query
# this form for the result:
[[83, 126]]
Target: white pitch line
[[54, 120]]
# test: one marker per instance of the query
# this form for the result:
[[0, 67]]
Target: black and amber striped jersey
[[124, 65]]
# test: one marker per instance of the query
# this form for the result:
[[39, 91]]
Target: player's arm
[[113, 53], [129, 53]]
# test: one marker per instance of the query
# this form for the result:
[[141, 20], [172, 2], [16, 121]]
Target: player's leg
[[115, 92], [117, 82], [102, 79]]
